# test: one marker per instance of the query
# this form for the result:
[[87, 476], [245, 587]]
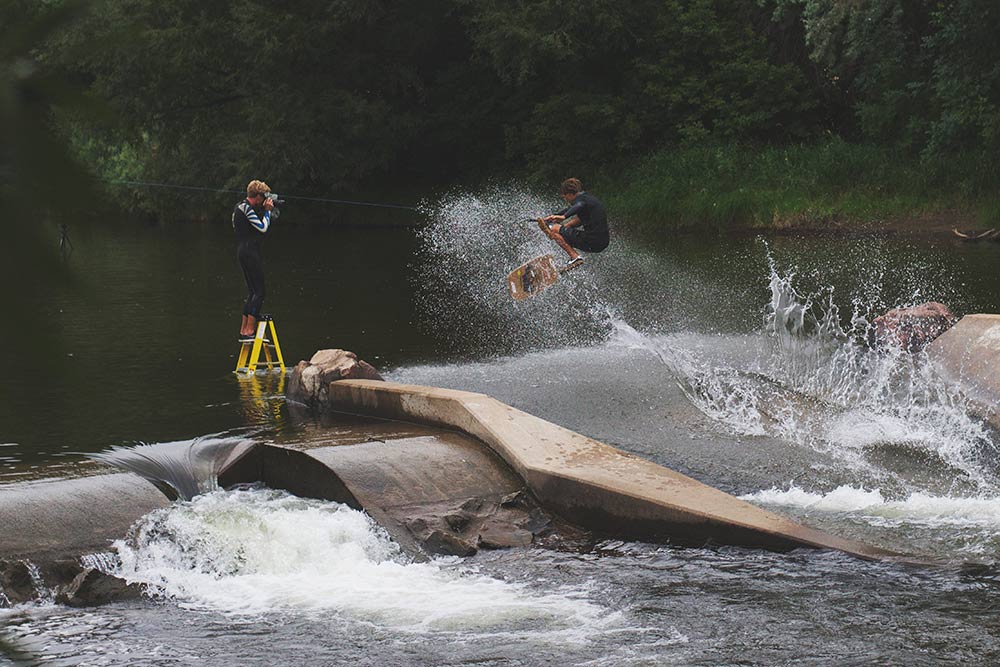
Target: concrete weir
[[56, 519], [580, 480]]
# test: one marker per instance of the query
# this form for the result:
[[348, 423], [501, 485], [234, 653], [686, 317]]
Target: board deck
[[532, 277]]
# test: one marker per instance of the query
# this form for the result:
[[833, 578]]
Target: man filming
[[252, 218]]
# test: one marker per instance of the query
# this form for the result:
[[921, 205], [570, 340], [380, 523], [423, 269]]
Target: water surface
[[735, 360]]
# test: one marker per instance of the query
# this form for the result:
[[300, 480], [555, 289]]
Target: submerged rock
[[503, 535], [16, 582], [462, 528], [913, 328], [91, 587], [443, 543]]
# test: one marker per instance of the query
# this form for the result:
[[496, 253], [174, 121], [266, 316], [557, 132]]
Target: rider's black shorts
[[579, 239]]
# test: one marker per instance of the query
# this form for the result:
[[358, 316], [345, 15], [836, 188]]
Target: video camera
[[273, 197]]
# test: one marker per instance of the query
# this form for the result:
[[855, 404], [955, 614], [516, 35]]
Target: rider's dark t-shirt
[[593, 219]]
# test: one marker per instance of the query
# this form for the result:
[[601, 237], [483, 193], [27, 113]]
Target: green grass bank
[[743, 186]]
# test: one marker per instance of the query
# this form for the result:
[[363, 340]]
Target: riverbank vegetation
[[681, 112], [827, 184]]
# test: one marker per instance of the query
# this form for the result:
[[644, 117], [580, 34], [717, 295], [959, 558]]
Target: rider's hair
[[571, 186], [255, 188]]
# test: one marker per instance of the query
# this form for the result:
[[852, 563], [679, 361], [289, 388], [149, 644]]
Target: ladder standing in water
[[250, 348], [252, 218]]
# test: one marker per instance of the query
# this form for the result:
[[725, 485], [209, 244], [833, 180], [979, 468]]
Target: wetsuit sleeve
[[572, 210], [260, 223]]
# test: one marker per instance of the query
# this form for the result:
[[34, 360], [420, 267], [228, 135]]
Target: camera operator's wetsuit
[[250, 224], [591, 235]]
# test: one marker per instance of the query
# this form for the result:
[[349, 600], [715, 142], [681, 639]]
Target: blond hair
[[255, 188]]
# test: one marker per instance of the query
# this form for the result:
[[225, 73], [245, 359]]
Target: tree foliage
[[922, 74], [327, 96]]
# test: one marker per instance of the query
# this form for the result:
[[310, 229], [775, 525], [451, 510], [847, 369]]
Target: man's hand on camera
[[268, 204]]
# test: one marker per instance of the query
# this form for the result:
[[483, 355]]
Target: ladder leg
[[267, 357], [258, 341], [241, 361], [277, 346]]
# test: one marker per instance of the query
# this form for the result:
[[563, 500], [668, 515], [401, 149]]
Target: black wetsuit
[[250, 225], [591, 235]]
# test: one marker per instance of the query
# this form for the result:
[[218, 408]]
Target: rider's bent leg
[[553, 233]]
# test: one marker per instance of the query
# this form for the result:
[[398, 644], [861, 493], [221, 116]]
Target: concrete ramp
[[584, 481], [419, 471], [438, 493]]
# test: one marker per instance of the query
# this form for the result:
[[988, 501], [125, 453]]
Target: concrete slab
[[419, 471], [67, 518], [587, 482], [432, 493]]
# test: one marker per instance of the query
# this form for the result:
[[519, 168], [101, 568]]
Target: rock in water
[[911, 328], [310, 378], [92, 587]]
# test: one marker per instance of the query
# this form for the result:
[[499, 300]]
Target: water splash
[[181, 469], [969, 526], [255, 552], [104, 561], [42, 592], [869, 398], [473, 242], [807, 377]]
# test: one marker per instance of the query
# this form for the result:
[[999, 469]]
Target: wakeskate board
[[533, 277]]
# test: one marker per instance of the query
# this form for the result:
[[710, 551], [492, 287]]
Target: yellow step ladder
[[250, 349]]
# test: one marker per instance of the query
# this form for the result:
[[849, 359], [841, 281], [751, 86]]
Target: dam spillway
[[443, 471], [579, 479]]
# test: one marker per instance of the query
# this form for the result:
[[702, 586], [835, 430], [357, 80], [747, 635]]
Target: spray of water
[[808, 377], [802, 375], [255, 552], [473, 242]]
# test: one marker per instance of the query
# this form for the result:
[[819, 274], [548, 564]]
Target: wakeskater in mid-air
[[582, 225]]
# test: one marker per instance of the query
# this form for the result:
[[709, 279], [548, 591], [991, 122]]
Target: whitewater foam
[[917, 508], [806, 379], [257, 552]]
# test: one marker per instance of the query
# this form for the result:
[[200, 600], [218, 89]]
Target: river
[[732, 358]]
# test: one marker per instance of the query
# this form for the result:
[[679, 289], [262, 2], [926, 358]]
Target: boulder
[[498, 534], [309, 379], [16, 582], [443, 543], [92, 587], [912, 328]]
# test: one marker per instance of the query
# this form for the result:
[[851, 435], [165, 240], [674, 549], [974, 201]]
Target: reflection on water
[[262, 398]]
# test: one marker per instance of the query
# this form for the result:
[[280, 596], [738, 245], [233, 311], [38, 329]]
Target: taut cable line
[[283, 196]]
